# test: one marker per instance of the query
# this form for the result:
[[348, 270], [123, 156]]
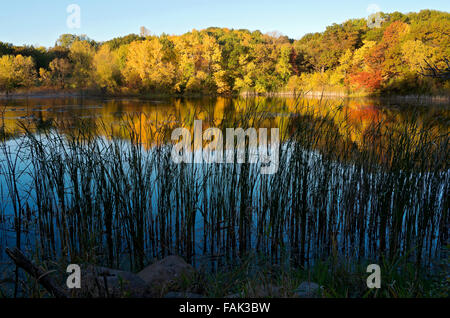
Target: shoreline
[[313, 94]]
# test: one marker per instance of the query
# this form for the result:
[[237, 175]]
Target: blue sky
[[41, 22]]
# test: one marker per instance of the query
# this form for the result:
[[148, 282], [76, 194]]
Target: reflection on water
[[359, 115], [113, 196]]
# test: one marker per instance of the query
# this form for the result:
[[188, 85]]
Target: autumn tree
[[106, 67], [16, 71], [149, 67], [350, 56], [60, 72], [81, 56]]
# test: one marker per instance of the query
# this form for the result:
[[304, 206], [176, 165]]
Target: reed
[[104, 194]]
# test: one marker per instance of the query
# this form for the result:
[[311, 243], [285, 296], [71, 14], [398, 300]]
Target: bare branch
[[435, 72], [38, 273]]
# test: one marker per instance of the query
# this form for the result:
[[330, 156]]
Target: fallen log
[[37, 272]]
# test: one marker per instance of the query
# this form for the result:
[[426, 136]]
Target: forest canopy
[[351, 57]]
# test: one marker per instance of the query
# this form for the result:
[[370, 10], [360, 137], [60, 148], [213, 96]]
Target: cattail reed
[[111, 194]]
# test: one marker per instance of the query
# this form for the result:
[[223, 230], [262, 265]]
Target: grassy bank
[[257, 277]]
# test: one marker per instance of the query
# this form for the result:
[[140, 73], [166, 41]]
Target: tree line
[[352, 57]]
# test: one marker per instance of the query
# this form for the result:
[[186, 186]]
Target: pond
[[93, 179]]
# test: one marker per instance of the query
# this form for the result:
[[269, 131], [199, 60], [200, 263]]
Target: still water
[[358, 114], [116, 199]]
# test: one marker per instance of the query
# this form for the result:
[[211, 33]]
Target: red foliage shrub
[[370, 81]]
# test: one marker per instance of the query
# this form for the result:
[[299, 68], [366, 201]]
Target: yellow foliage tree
[[415, 53], [16, 71], [146, 61], [107, 73], [81, 55]]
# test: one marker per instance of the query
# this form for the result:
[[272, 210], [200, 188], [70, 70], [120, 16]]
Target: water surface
[[338, 183]]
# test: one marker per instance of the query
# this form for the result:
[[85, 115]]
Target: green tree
[[67, 40]]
